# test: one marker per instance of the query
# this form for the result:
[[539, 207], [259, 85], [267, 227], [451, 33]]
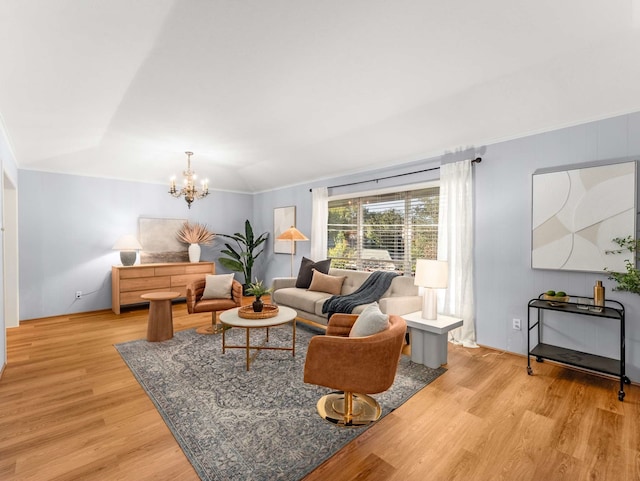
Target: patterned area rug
[[256, 425]]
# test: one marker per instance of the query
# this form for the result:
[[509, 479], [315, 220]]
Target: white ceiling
[[270, 93]]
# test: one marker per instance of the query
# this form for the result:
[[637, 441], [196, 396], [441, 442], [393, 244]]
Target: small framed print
[[283, 218]]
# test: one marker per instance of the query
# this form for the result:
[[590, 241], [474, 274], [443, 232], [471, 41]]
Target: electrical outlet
[[78, 294], [516, 324]]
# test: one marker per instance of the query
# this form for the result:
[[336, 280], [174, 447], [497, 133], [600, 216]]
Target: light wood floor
[[71, 410]]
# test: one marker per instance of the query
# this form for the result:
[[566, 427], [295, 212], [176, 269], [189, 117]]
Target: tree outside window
[[384, 232]]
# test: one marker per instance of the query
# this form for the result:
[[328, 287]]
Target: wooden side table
[[429, 338], [160, 325]]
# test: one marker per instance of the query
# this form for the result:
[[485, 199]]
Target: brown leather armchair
[[196, 304], [362, 365]]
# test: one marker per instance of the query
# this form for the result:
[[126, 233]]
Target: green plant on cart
[[629, 280]]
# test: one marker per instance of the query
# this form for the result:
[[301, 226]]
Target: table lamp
[[128, 246], [431, 275], [292, 234]]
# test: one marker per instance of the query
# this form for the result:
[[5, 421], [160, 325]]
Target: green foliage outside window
[[388, 231]]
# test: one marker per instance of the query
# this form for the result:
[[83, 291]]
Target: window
[[386, 231]]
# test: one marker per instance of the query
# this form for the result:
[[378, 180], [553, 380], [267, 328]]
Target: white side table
[[429, 338]]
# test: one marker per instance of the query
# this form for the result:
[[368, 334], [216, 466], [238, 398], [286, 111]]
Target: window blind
[[384, 232]]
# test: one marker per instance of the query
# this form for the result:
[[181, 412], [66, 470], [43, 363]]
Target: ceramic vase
[[258, 305], [194, 253]]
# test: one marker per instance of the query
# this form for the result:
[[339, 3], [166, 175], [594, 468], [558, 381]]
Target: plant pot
[[258, 305], [194, 252]]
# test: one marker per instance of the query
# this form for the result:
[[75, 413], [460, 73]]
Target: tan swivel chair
[[362, 365], [196, 304]]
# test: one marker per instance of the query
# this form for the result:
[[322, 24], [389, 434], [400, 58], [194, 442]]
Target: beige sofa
[[401, 297]]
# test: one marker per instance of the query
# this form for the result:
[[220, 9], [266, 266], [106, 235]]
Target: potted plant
[[258, 290], [195, 234], [242, 257], [630, 280]]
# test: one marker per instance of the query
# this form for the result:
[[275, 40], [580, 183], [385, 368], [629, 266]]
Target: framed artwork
[[283, 218], [577, 212], [160, 242]]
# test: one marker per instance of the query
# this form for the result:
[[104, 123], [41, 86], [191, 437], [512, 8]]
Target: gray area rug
[[256, 425]]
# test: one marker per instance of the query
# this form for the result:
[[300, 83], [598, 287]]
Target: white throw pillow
[[217, 286], [370, 321]]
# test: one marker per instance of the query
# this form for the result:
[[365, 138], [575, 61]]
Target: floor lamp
[[292, 234]]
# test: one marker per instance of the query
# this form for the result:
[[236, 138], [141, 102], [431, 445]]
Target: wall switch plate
[[516, 324]]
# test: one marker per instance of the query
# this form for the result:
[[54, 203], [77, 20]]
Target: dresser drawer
[[133, 297], [130, 282], [134, 272], [170, 270], [141, 283], [177, 281], [199, 268]]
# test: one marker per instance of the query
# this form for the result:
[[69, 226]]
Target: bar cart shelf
[[611, 310]]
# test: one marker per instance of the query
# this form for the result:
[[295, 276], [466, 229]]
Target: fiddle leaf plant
[[630, 279], [242, 257]]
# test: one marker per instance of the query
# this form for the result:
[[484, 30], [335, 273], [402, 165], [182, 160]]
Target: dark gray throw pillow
[[306, 271]]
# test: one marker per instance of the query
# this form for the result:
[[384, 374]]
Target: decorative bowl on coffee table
[[268, 310]]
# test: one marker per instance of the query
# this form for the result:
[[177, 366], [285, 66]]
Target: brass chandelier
[[189, 189]]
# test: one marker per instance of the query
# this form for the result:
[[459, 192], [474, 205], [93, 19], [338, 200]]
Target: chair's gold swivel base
[[213, 328], [349, 409]]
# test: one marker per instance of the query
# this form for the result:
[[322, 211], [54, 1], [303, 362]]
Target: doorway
[[10, 252]]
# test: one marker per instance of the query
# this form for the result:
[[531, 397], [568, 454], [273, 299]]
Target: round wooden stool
[[160, 325]]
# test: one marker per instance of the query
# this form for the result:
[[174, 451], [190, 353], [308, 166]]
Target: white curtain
[[455, 245], [319, 219]]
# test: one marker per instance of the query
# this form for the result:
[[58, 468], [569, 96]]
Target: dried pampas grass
[[195, 234]]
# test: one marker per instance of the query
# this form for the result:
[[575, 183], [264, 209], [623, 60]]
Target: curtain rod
[[477, 160]]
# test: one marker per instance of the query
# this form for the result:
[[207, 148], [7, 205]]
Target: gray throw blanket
[[371, 290]]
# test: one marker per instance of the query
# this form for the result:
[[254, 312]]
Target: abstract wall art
[[577, 212], [160, 241]]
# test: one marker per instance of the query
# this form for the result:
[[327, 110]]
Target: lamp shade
[[292, 234], [127, 243], [431, 273]]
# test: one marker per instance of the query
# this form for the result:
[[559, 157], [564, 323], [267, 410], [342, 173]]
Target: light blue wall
[[279, 265], [68, 225], [505, 281]]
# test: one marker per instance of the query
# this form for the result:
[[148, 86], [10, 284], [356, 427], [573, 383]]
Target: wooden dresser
[[129, 282]]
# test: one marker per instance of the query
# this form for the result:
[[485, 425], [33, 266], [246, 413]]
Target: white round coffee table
[[232, 319]]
